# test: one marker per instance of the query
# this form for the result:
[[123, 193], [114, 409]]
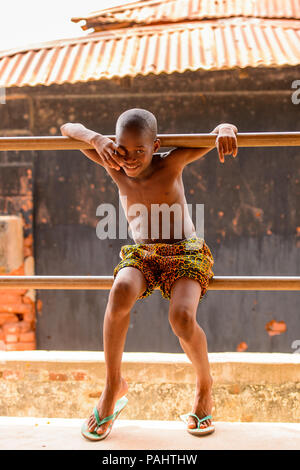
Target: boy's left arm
[[226, 143]]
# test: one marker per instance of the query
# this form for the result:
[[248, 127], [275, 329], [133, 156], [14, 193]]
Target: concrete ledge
[[64, 434], [90, 356], [247, 386]]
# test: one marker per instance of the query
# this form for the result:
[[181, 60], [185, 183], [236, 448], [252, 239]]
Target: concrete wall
[[60, 384], [251, 223]]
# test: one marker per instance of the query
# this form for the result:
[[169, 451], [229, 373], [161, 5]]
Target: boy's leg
[[185, 295], [128, 285]]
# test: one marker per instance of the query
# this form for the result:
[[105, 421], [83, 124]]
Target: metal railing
[[105, 282], [266, 139], [259, 139]]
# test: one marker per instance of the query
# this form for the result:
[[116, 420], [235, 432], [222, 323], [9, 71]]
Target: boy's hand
[[110, 153], [226, 140]]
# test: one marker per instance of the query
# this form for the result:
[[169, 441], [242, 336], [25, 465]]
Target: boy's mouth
[[131, 167]]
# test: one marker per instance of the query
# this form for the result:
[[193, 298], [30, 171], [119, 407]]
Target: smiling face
[[139, 146]]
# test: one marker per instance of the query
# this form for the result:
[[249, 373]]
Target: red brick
[[1, 334], [274, 327], [7, 373], [28, 241], [29, 317], [27, 251], [2, 345], [27, 337], [242, 347], [12, 346], [24, 326], [16, 291], [11, 374], [9, 298], [8, 318], [9, 338], [234, 389], [22, 346], [11, 328], [16, 308], [79, 375], [56, 376], [27, 300], [95, 394], [17, 272]]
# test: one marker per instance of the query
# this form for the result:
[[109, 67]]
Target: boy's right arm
[[105, 152]]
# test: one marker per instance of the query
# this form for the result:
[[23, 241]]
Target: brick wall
[[17, 306], [17, 318]]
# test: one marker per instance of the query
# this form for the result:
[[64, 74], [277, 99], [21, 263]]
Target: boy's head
[[136, 133]]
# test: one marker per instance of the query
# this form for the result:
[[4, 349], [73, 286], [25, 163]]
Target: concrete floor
[[64, 434]]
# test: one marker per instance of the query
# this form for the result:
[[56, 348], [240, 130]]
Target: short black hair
[[137, 119]]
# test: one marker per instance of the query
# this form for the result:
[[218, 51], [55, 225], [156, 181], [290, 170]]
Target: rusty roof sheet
[[209, 45], [168, 11]]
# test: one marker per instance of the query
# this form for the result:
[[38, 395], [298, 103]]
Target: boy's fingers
[[116, 156], [235, 150], [110, 161], [232, 144], [221, 142], [117, 149], [221, 153], [106, 158], [229, 145], [226, 145], [120, 150]]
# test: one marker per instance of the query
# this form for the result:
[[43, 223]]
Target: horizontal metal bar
[[290, 283], [262, 139], [149, 94]]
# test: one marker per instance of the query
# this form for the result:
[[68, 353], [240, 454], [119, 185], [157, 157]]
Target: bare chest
[[164, 187]]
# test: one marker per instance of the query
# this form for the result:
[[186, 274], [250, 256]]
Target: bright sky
[[24, 22]]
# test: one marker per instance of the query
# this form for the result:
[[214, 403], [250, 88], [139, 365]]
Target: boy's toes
[[91, 427], [91, 424], [192, 422], [102, 429], [205, 424]]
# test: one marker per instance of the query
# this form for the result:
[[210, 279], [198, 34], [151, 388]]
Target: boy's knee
[[122, 296], [182, 321]]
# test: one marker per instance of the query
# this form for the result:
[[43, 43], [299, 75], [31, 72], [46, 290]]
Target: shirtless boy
[[181, 271]]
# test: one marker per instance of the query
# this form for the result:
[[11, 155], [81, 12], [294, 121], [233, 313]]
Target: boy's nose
[[129, 159]]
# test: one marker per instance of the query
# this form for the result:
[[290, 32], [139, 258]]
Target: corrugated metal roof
[[167, 11], [209, 45]]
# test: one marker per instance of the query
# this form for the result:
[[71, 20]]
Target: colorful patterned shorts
[[163, 263]]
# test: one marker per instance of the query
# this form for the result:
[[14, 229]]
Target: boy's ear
[[156, 144]]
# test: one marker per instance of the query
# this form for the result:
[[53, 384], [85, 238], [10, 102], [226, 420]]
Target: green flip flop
[[198, 431], [93, 436]]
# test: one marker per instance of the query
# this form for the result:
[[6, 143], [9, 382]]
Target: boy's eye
[[141, 151]]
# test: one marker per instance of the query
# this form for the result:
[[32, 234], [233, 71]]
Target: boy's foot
[[106, 405], [202, 407]]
